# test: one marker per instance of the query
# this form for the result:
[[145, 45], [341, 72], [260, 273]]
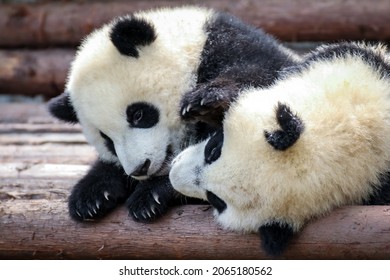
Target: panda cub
[[317, 139], [125, 87]]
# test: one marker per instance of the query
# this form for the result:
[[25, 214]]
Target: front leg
[[151, 199], [209, 101], [99, 191]]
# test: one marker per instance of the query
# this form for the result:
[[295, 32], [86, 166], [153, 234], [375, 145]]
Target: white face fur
[[341, 151], [103, 83]]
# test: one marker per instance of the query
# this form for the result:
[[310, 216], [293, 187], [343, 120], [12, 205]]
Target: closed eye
[[213, 147]]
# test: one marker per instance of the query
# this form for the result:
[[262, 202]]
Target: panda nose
[[142, 169]]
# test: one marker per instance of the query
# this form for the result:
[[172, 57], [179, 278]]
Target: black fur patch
[[216, 202], [61, 107], [275, 238], [240, 53], [382, 194], [109, 143], [129, 33], [235, 56], [342, 50], [142, 115], [291, 128]]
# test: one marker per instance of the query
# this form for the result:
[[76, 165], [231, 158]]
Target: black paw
[[275, 238], [99, 192], [151, 199], [208, 102]]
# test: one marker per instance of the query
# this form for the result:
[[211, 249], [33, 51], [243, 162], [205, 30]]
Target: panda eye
[[137, 116], [213, 148], [142, 115]]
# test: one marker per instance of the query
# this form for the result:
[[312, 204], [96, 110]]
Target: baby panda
[[125, 87], [317, 139]]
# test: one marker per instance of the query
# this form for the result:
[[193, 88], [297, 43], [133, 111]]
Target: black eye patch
[[212, 151], [142, 115], [109, 143]]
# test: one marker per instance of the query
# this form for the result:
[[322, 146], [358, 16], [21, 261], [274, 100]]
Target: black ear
[[275, 238], [291, 128], [61, 108], [130, 32]]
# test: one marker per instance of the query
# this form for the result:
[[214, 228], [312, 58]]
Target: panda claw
[[156, 198], [89, 213], [97, 205], [78, 213], [135, 215], [183, 112], [202, 102], [106, 195], [153, 209], [143, 215], [188, 108]]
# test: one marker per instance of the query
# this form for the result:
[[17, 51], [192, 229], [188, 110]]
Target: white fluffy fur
[[345, 146], [102, 83]]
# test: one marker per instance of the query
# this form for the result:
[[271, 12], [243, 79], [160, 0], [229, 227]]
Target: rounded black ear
[[130, 32], [62, 108], [291, 128]]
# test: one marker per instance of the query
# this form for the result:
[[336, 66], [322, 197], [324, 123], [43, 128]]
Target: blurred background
[[38, 38]]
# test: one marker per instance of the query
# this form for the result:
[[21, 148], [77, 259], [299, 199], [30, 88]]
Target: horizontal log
[[59, 24], [26, 113], [34, 221], [34, 72], [43, 72], [48, 153], [41, 229]]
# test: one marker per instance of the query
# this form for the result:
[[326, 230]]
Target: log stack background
[[37, 41], [40, 158]]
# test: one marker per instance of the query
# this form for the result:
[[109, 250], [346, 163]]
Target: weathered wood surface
[[59, 24], [36, 178], [34, 71]]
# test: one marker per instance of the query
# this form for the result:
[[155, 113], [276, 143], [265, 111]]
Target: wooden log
[[26, 113], [34, 72], [34, 221], [43, 72], [41, 229], [62, 24]]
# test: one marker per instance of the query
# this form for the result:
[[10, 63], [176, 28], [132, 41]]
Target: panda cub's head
[[125, 85], [317, 139]]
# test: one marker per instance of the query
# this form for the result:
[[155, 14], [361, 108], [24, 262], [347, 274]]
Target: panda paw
[[208, 102], [98, 192], [151, 199]]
